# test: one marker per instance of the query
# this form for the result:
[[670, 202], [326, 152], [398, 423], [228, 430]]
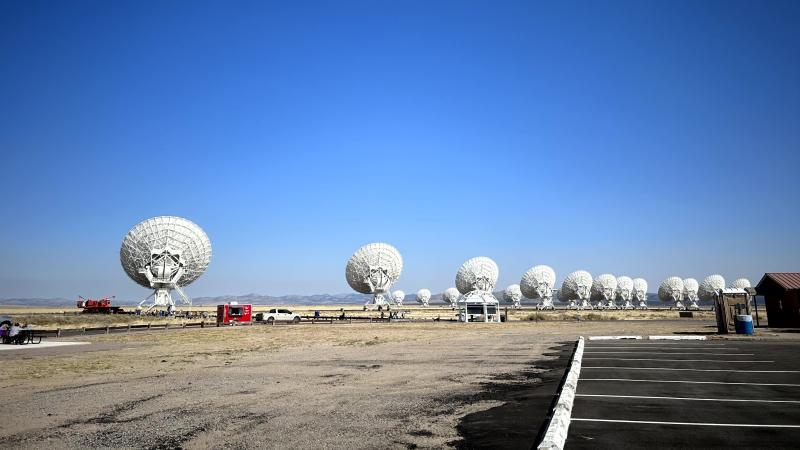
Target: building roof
[[787, 280]]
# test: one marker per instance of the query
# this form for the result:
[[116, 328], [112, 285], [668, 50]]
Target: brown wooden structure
[[781, 292], [728, 304]]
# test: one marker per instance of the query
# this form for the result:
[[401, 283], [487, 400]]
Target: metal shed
[[781, 292]]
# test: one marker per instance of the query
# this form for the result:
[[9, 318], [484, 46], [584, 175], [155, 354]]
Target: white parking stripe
[[691, 370], [694, 424], [610, 343], [688, 398], [658, 349], [674, 353], [681, 360], [631, 380]]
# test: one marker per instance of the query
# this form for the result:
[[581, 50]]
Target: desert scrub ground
[[52, 318]]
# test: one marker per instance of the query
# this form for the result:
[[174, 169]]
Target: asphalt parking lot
[[687, 394]]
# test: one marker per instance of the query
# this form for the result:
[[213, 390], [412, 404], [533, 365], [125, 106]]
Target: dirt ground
[[387, 385]]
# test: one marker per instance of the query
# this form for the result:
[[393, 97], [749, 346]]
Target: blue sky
[[639, 138]]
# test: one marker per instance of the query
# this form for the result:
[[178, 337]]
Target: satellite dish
[[165, 253], [640, 292], [625, 291], [538, 283], [476, 279], [710, 286], [740, 283], [398, 297], [477, 274], [671, 290], [373, 269], [424, 297], [604, 288], [451, 296], [577, 289], [513, 295], [690, 288]]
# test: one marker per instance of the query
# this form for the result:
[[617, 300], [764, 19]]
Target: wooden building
[[781, 292]]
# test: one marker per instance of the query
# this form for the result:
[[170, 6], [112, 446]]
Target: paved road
[[687, 394]]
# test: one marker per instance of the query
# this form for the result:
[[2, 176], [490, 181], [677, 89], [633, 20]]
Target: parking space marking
[[675, 353], [632, 380], [681, 360], [688, 398], [691, 370], [694, 424]]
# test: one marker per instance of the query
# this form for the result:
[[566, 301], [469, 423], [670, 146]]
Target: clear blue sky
[[638, 138]]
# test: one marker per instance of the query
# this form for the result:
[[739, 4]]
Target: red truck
[[98, 306]]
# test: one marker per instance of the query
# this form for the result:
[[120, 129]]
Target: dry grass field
[[53, 318], [380, 385]]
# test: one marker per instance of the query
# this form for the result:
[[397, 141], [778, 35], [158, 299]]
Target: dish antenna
[[690, 287], [625, 292], [740, 283], [398, 296], [604, 289], [576, 288], [424, 297], [538, 283], [671, 290], [475, 280], [513, 295], [373, 269], [640, 292], [451, 296], [710, 287], [165, 253]]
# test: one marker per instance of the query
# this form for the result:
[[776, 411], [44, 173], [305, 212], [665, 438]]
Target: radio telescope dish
[[476, 279], [710, 286], [538, 283], [398, 297], [671, 290], [477, 274], [165, 253], [513, 295], [690, 287], [740, 283], [640, 292], [424, 297], [577, 289], [604, 288], [625, 291], [373, 269], [451, 296]]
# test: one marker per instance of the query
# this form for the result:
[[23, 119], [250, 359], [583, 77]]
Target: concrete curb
[[677, 338], [612, 338], [556, 434]]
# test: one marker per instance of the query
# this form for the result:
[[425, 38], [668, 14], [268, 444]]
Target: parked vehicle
[[277, 315]]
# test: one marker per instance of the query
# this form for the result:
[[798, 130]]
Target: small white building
[[478, 306]]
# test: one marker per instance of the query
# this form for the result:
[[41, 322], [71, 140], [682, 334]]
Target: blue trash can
[[744, 324]]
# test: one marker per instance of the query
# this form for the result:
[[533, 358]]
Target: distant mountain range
[[256, 299]]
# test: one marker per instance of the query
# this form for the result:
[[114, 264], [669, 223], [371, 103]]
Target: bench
[[25, 337]]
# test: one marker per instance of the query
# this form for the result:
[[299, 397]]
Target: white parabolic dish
[[671, 289], [577, 285], [451, 295], [180, 235], [709, 287], [479, 273], [373, 262], [537, 282]]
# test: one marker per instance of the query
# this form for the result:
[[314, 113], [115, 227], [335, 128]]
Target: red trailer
[[233, 313]]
